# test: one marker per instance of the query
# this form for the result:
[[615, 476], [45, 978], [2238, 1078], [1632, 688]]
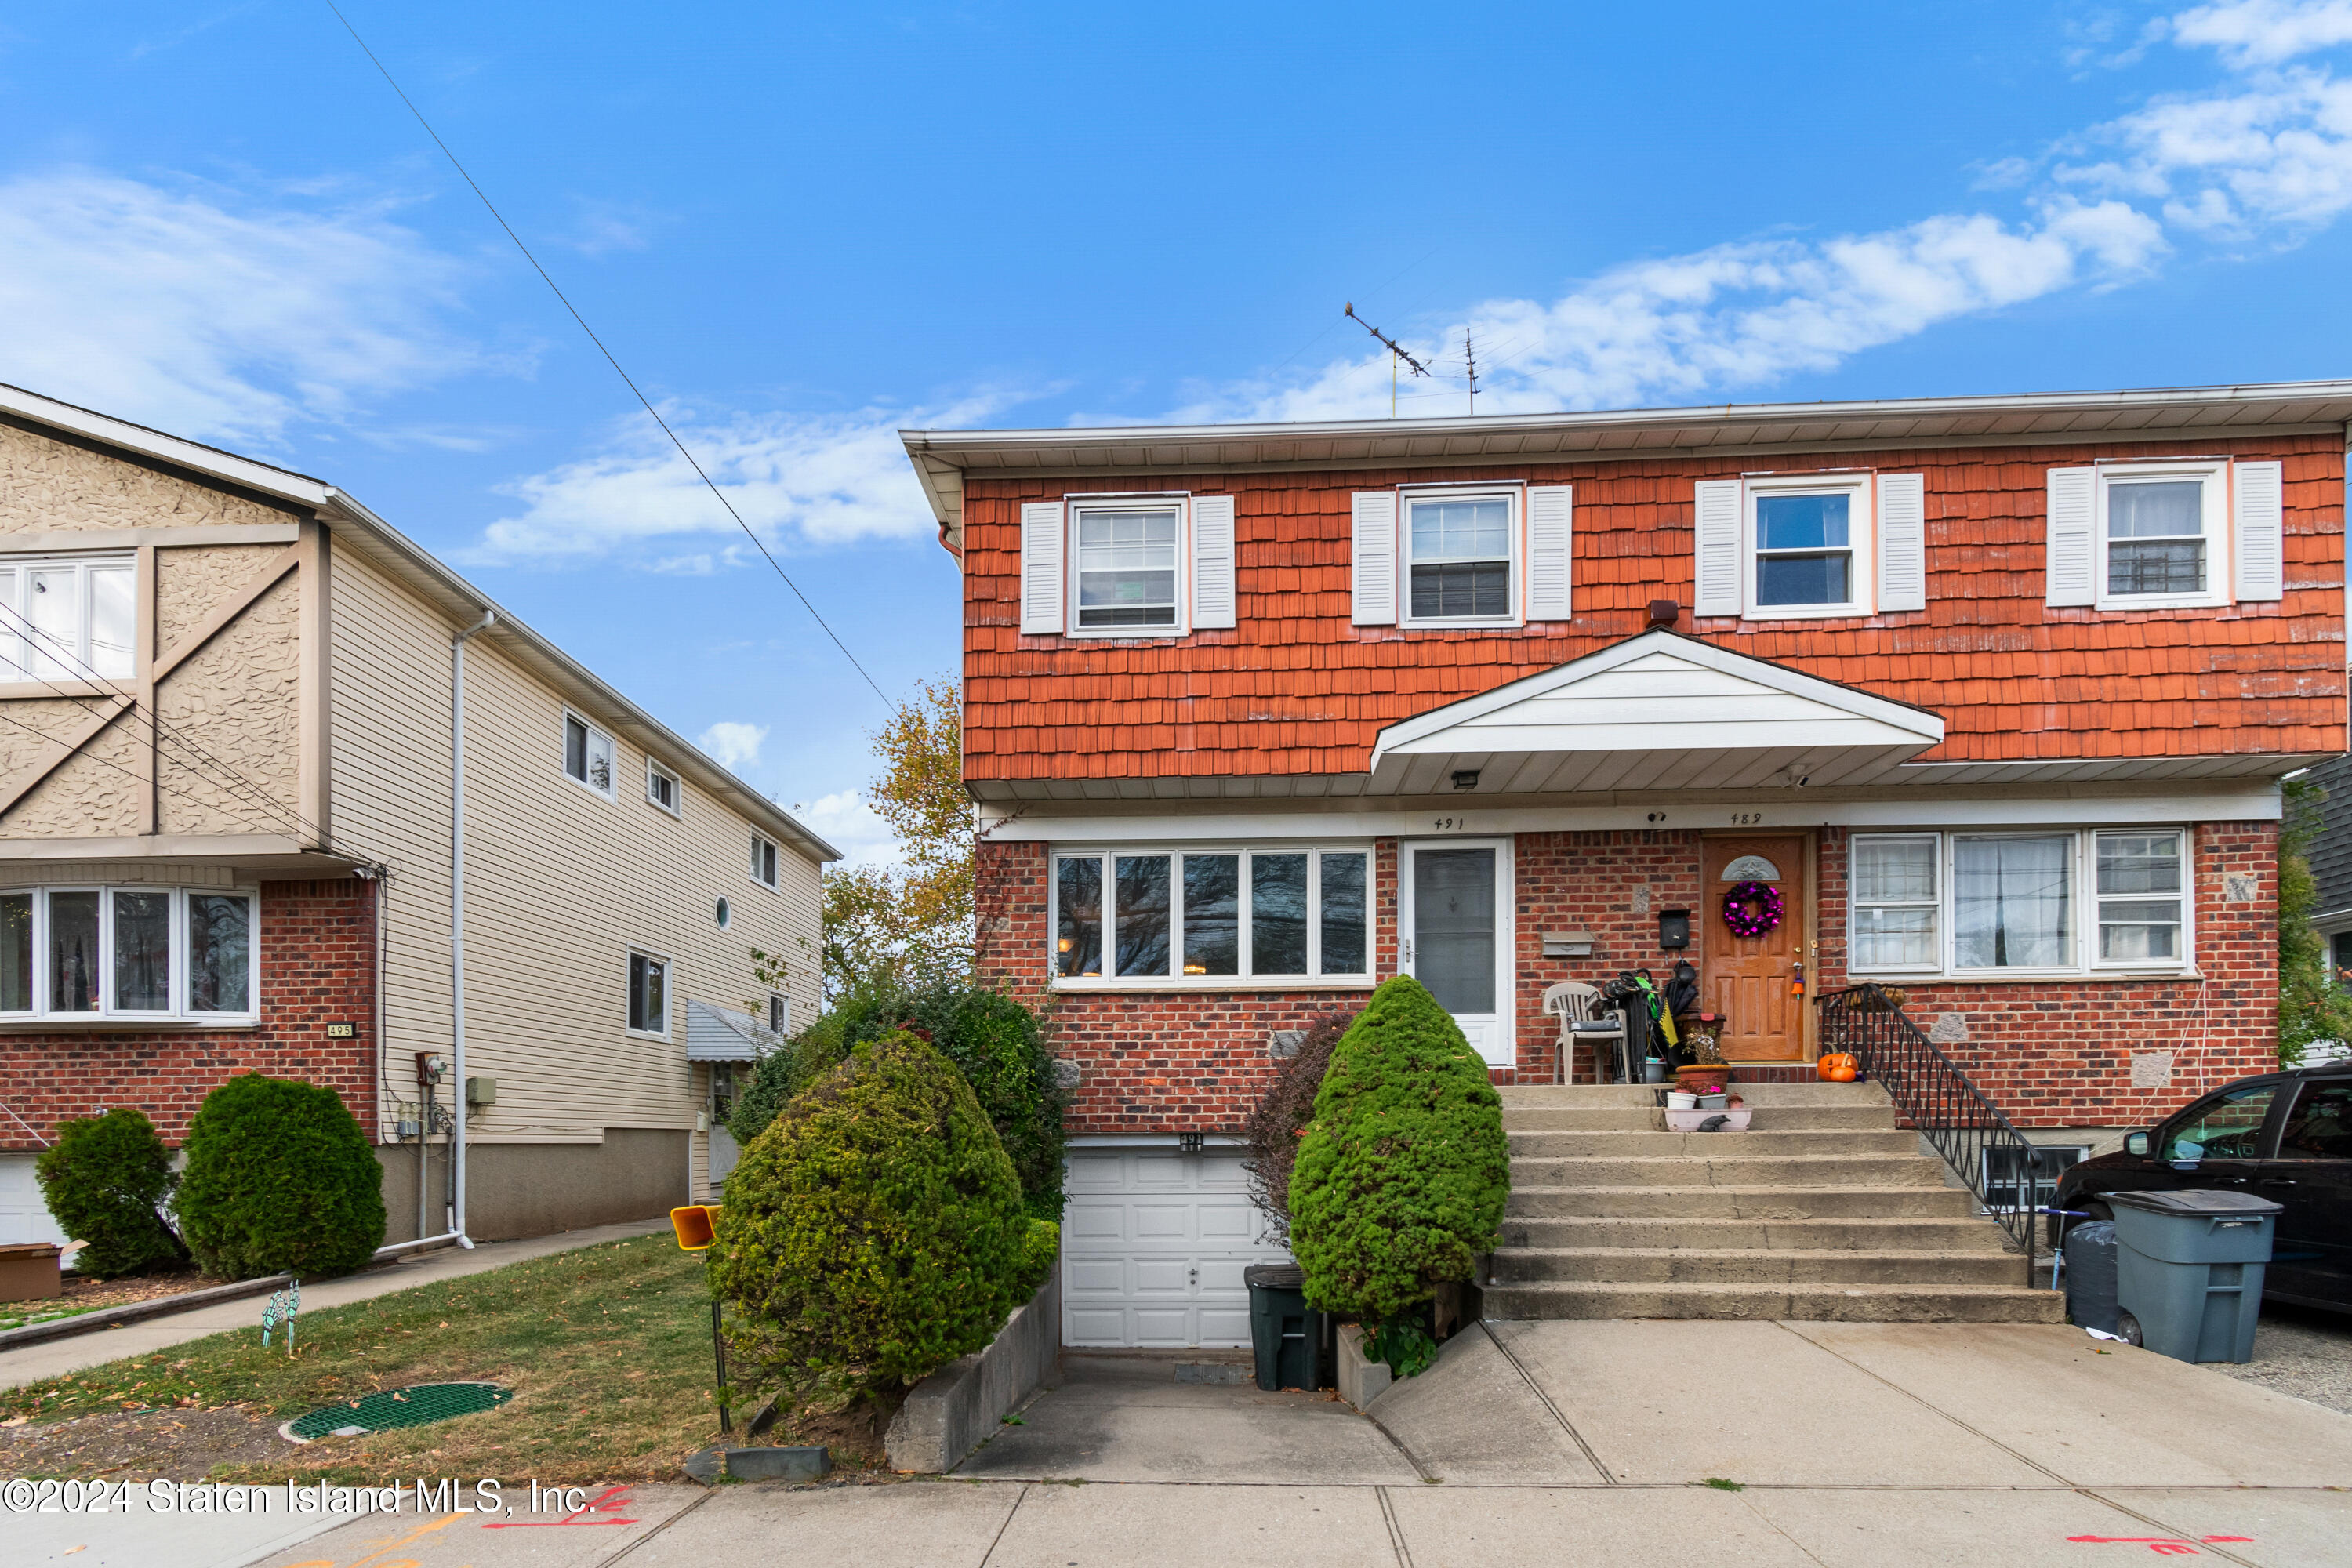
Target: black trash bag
[[1682, 991]]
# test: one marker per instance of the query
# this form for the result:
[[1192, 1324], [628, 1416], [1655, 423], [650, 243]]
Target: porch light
[[1465, 778], [1188, 1142]]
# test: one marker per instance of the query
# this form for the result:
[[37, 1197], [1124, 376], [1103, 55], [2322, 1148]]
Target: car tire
[[2127, 1330]]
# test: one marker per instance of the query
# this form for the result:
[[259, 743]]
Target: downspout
[[458, 924]]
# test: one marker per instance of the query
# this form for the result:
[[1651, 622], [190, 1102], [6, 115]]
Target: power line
[[625, 378]]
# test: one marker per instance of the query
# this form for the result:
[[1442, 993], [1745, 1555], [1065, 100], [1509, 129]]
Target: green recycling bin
[[1286, 1334], [2188, 1271]]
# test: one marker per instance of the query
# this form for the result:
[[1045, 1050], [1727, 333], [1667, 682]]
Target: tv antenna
[[1470, 354], [1396, 352]]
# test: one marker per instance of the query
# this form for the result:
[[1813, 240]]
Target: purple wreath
[[1735, 912]]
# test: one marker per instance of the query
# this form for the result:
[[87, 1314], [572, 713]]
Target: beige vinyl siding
[[560, 884]]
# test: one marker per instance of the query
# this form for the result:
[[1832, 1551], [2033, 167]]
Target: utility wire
[[601, 349]]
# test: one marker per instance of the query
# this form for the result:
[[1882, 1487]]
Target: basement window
[[138, 953]]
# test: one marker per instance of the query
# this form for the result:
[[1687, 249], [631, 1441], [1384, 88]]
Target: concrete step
[[1815, 1303], [1556, 1199], [1877, 1118], [1896, 1234], [1609, 1096], [1729, 1171], [1754, 1266], [1755, 1143]]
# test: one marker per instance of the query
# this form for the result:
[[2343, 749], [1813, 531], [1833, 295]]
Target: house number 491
[[1450, 825]]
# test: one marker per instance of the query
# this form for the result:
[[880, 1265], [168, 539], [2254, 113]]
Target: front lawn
[[608, 1349]]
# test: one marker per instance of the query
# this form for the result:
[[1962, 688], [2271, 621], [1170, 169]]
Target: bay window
[[1986, 904], [128, 953], [1177, 916]]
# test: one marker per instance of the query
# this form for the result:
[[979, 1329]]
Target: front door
[[1751, 981], [1457, 936]]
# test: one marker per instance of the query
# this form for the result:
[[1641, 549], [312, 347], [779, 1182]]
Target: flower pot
[[1678, 1101]]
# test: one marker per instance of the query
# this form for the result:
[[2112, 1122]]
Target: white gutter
[[457, 923]]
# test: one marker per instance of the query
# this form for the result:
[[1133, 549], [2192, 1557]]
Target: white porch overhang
[[716, 1033], [1658, 711]]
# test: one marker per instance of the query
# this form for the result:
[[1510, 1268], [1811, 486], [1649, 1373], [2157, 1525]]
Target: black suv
[[2285, 1136]]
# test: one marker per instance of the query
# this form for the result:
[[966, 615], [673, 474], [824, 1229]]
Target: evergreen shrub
[[874, 1231], [281, 1179], [1402, 1177], [106, 1180], [1041, 1248]]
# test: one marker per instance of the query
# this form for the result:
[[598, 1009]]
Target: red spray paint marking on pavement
[[2162, 1545], [612, 1500]]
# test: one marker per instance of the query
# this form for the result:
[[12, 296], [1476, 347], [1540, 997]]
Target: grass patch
[[607, 1348], [15, 1315], [1719, 1484]]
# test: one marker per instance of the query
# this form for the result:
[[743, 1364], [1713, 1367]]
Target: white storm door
[[1153, 1245], [1456, 937]]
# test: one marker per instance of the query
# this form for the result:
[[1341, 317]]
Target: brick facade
[[1595, 882], [316, 965]]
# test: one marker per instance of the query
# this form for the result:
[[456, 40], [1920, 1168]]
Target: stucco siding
[[47, 485]]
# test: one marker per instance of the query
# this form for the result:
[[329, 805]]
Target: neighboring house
[[1993, 694], [2330, 854], [226, 846]]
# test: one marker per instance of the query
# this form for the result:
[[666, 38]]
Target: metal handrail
[[1937, 1098]]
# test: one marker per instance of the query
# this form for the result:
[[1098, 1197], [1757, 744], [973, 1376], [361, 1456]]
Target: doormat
[[419, 1404]]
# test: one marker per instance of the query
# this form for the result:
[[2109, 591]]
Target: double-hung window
[[1125, 559], [1180, 917], [587, 755], [763, 860], [128, 953], [1461, 560], [2161, 534], [648, 994], [67, 617], [1809, 546], [661, 787], [1987, 904]]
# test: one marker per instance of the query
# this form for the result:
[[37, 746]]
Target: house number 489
[[1745, 818]]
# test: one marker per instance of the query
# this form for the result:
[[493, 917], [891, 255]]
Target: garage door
[[1153, 1245], [23, 1216]]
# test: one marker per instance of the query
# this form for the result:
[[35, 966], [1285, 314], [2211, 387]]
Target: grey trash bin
[[2189, 1270], [2091, 1275]]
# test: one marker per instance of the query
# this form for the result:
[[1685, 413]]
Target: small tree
[[874, 1232], [1281, 1117], [281, 1179], [2313, 1004], [912, 923], [105, 1181], [1402, 1177]]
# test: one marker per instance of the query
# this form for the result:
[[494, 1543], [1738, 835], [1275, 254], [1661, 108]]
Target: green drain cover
[[416, 1405]]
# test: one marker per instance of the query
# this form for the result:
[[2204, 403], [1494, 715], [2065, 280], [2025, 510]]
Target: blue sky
[[803, 227]]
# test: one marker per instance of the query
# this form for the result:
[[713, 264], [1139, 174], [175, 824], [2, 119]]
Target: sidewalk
[[57, 1357]]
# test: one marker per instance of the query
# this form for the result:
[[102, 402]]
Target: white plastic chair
[[1584, 1016]]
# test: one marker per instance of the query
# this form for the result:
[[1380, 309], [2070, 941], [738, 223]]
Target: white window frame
[[18, 641], [2219, 535], [1939, 903], [654, 771], [1097, 503], [2083, 893], [588, 760], [766, 848], [177, 1010], [778, 1018], [1860, 488], [1246, 980], [628, 983], [1513, 492]]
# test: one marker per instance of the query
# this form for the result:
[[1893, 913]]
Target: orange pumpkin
[[1837, 1067]]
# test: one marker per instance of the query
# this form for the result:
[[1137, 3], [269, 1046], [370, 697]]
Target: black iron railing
[[1937, 1097]]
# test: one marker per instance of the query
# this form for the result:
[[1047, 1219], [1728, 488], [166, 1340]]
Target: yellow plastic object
[[695, 1225]]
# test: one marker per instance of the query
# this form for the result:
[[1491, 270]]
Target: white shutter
[[1040, 567], [2261, 552], [1372, 559], [1716, 570], [1212, 561], [1551, 532], [1902, 542], [2070, 566]]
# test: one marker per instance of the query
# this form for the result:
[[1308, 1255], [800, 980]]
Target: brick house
[[1991, 694], [226, 832]]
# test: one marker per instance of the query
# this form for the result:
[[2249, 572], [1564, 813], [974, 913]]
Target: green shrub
[[1281, 1119], [106, 1180], [1041, 1248], [1402, 1177], [874, 1232], [991, 1040], [281, 1179]]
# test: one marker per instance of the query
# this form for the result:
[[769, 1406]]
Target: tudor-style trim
[[313, 779]]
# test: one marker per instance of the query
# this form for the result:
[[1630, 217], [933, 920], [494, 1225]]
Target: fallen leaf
[[19, 1421]]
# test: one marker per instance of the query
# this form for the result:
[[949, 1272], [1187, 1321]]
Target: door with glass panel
[[1457, 936], [1754, 981]]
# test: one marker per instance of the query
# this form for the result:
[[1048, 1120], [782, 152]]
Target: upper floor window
[[1442, 556], [1127, 566], [1798, 545], [780, 1013], [67, 617], [587, 754], [661, 787], [1460, 560], [2178, 533], [1194, 916], [128, 953], [763, 861], [648, 994], [1156, 565], [1804, 549]]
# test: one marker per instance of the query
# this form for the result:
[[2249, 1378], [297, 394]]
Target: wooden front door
[[1749, 979]]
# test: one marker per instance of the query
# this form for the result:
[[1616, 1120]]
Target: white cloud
[[214, 318], [845, 821], [2265, 32], [731, 744]]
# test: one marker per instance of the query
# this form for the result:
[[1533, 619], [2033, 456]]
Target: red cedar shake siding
[[1295, 688], [318, 965]]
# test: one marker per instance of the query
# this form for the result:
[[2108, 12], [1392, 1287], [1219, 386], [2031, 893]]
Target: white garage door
[[1153, 1245], [23, 1216]]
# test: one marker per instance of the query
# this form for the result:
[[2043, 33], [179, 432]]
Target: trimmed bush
[[1041, 1248], [991, 1040], [1274, 1128], [106, 1179], [874, 1232], [1402, 1177], [281, 1179]]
